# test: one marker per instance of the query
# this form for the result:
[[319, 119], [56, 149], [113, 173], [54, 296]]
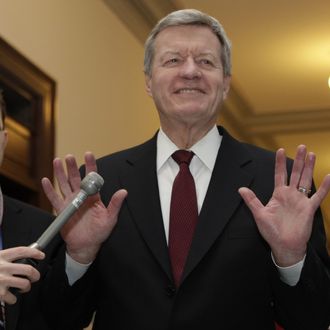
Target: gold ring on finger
[[304, 190]]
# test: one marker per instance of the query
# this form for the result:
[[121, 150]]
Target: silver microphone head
[[91, 183]]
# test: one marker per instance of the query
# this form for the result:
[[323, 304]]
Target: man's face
[[3, 139], [187, 81]]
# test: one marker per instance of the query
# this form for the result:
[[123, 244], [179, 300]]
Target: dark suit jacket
[[22, 225], [229, 282]]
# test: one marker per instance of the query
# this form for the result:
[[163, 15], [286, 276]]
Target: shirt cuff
[[290, 275], [74, 270]]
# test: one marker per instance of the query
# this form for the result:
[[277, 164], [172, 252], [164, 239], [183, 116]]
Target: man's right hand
[[17, 275], [91, 225]]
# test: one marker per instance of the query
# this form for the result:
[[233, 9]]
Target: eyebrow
[[206, 54], [169, 52]]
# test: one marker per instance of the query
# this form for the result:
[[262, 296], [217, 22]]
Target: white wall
[[97, 64]]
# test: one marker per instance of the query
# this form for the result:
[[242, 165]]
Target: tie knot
[[183, 156]]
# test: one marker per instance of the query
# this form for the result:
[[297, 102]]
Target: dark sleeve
[[306, 305], [67, 307]]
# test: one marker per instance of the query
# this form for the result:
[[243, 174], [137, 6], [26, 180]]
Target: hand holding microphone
[[88, 229], [89, 186]]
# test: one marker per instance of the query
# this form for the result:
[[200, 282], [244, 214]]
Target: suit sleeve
[[307, 304], [67, 307]]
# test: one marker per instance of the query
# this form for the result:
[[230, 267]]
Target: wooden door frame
[[30, 150]]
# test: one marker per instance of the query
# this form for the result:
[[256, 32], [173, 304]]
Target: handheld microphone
[[90, 185]]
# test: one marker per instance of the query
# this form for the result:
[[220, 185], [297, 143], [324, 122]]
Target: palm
[[277, 221], [287, 219], [90, 225], [93, 222]]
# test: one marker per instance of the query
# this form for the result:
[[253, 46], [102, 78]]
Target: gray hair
[[188, 17]]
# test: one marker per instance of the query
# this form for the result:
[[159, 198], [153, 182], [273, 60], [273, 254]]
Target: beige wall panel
[[97, 64]]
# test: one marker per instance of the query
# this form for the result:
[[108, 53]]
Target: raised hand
[[287, 219], [90, 226], [17, 275]]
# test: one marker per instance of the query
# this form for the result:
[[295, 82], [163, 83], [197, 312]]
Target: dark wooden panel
[[30, 95]]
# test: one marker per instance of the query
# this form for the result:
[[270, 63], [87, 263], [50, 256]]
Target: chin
[[190, 116], [193, 111]]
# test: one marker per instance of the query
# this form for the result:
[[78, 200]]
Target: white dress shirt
[[201, 167]]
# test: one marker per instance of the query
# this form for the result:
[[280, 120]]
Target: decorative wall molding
[[140, 15]]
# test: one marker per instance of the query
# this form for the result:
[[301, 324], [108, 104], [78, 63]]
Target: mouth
[[189, 91]]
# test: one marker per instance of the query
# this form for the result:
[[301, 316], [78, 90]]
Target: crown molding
[[140, 16]]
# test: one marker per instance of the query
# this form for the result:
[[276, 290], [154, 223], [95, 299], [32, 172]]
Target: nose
[[190, 69]]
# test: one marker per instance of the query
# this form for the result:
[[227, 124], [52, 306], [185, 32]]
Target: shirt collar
[[205, 149]]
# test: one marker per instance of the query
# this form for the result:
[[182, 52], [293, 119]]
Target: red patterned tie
[[183, 214]]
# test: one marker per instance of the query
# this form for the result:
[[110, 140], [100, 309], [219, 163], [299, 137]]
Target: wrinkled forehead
[[186, 38]]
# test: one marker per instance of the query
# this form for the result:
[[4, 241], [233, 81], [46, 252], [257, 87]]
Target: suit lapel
[[222, 198], [140, 180], [16, 229], [139, 177]]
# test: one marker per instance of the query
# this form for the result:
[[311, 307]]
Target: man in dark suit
[[257, 254], [21, 224]]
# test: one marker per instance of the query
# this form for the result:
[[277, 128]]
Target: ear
[[226, 86], [148, 83]]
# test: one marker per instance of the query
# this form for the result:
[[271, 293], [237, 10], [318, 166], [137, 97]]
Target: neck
[[185, 136]]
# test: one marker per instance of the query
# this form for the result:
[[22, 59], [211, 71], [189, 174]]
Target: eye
[[172, 61], [205, 62]]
